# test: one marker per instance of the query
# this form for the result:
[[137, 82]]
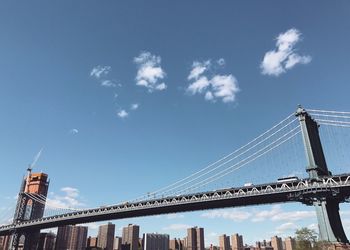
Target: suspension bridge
[[317, 186]]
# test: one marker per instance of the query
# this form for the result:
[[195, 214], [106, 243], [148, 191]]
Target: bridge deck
[[336, 187]]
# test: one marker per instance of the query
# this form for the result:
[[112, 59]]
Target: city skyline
[[77, 237], [121, 99]]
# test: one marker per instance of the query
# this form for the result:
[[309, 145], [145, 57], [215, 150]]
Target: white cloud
[[134, 106], [161, 86], [286, 227], [198, 68], [277, 214], [122, 113], [108, 84], [74, 131], [224, 87], [293, 216], [266, 214], [99, 71], [70, 199], [313, 226], [199, 85], [70, 192], [282, 58], [177, 227], [232, 214], [208, 96], [213, 234], [175, 216], [149, 73]]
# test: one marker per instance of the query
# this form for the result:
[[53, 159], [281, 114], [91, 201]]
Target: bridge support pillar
[[327, 209], [329, 222]]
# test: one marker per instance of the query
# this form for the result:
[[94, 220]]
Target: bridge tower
[[28, 208], [327, 206]]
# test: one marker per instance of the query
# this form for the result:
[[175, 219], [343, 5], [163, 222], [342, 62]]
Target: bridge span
[[335, 188]]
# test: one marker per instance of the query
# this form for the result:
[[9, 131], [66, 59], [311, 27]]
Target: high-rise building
[[106, 236], [264, 245], [5, 242], [78, 238], [290, 243], [224, 242], [155, 241], [91, 243], [63, 237], [130, 237], [276, 243], [195, 238], [237, 242], [71, 237], [185, 243], [200, 238], [46, 241], [176, 244], [117, 245]]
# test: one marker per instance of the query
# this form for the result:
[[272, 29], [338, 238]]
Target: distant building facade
[[290, 243], [117, 245], [224, 242], [195, 238], [5, 242], [106, 236], [263, 245], [130, 237], [47, 241], [237, 242], [78, 238], [276, 243], [62, 238], [71, 237], [176, 244], [91, 243], [153, 241]]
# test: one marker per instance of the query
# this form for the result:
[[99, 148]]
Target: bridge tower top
[[317, 165]]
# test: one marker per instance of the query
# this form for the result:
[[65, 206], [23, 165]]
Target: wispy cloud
[[99, 71], [175, 216], [286, 227], [176, 227], [108, 83], [276, 213], [198, 68], [283, 57], [214, 86], [69, 199], [150, 73], [73, 131], [232, 214], [293, 216], [122, 114], [134, 106]]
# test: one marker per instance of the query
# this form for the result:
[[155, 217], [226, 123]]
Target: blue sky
[[126, 97]]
